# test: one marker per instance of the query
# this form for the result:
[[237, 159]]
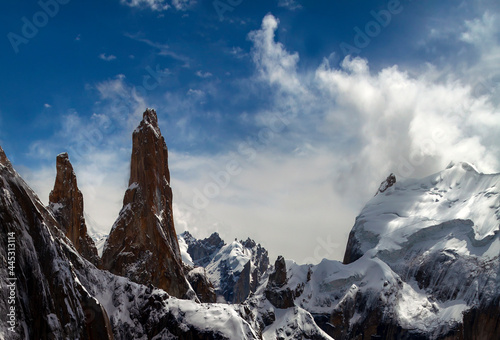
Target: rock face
[[202, 286], [66, 203], [143, 244], [389, 182], [202, 251], [279, 297], [48, 301]]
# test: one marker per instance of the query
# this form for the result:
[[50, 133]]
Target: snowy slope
[[94, 231], [457, 193], [422, 261]]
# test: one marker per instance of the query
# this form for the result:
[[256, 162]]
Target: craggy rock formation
[[280, 298], [202, 251], [389, 182], [48, 299], [236, 269], [252, 273], [66, 203], [202, 286], [57, 294], [143, 244]]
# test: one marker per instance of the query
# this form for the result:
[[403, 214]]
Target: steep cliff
[[42, 289], [66, 204], [143, 243]]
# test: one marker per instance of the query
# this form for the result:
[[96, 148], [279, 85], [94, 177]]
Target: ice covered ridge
[[458, 193]]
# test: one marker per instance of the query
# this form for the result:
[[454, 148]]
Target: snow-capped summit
[[235, 269], [422, 262], [458, 193]]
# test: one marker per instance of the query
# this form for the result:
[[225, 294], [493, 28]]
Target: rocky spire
[[276, 292], [4, 161], [389, 182], [143, 243], [66, 204]]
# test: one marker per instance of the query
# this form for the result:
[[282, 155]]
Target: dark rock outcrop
[[276, 293], [251, 275], [202, 286], [143, 243], [233, 285], [202, 251], [66, 203], [389, 182], [277, 278]]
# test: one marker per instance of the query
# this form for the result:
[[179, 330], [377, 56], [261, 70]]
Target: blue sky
[[311, 103]]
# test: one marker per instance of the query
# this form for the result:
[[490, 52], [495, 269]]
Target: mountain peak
[[66, 204], [4, 161], [462, 166], [149, 116], [389, 182], [143, 244]]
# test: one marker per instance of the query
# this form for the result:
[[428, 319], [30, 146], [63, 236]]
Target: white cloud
[[160, 5], [272, 59], [482, 31], [47, 106], [483, 34], [162, 49], [203, 74], [346, 130], [290, 4], [321, 149], [155, 5], [182, 5], [106, 57]]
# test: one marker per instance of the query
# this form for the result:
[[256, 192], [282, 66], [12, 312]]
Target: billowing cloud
[[325, 144], [316, 151]]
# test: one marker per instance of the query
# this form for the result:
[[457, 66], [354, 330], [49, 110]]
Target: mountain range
[[422, 262]]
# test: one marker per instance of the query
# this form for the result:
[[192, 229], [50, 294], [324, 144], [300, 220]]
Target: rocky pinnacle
[[143, 243], [66, 204]]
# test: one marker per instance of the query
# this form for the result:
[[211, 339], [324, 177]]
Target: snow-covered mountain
[[235, 269], [422, 262]]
